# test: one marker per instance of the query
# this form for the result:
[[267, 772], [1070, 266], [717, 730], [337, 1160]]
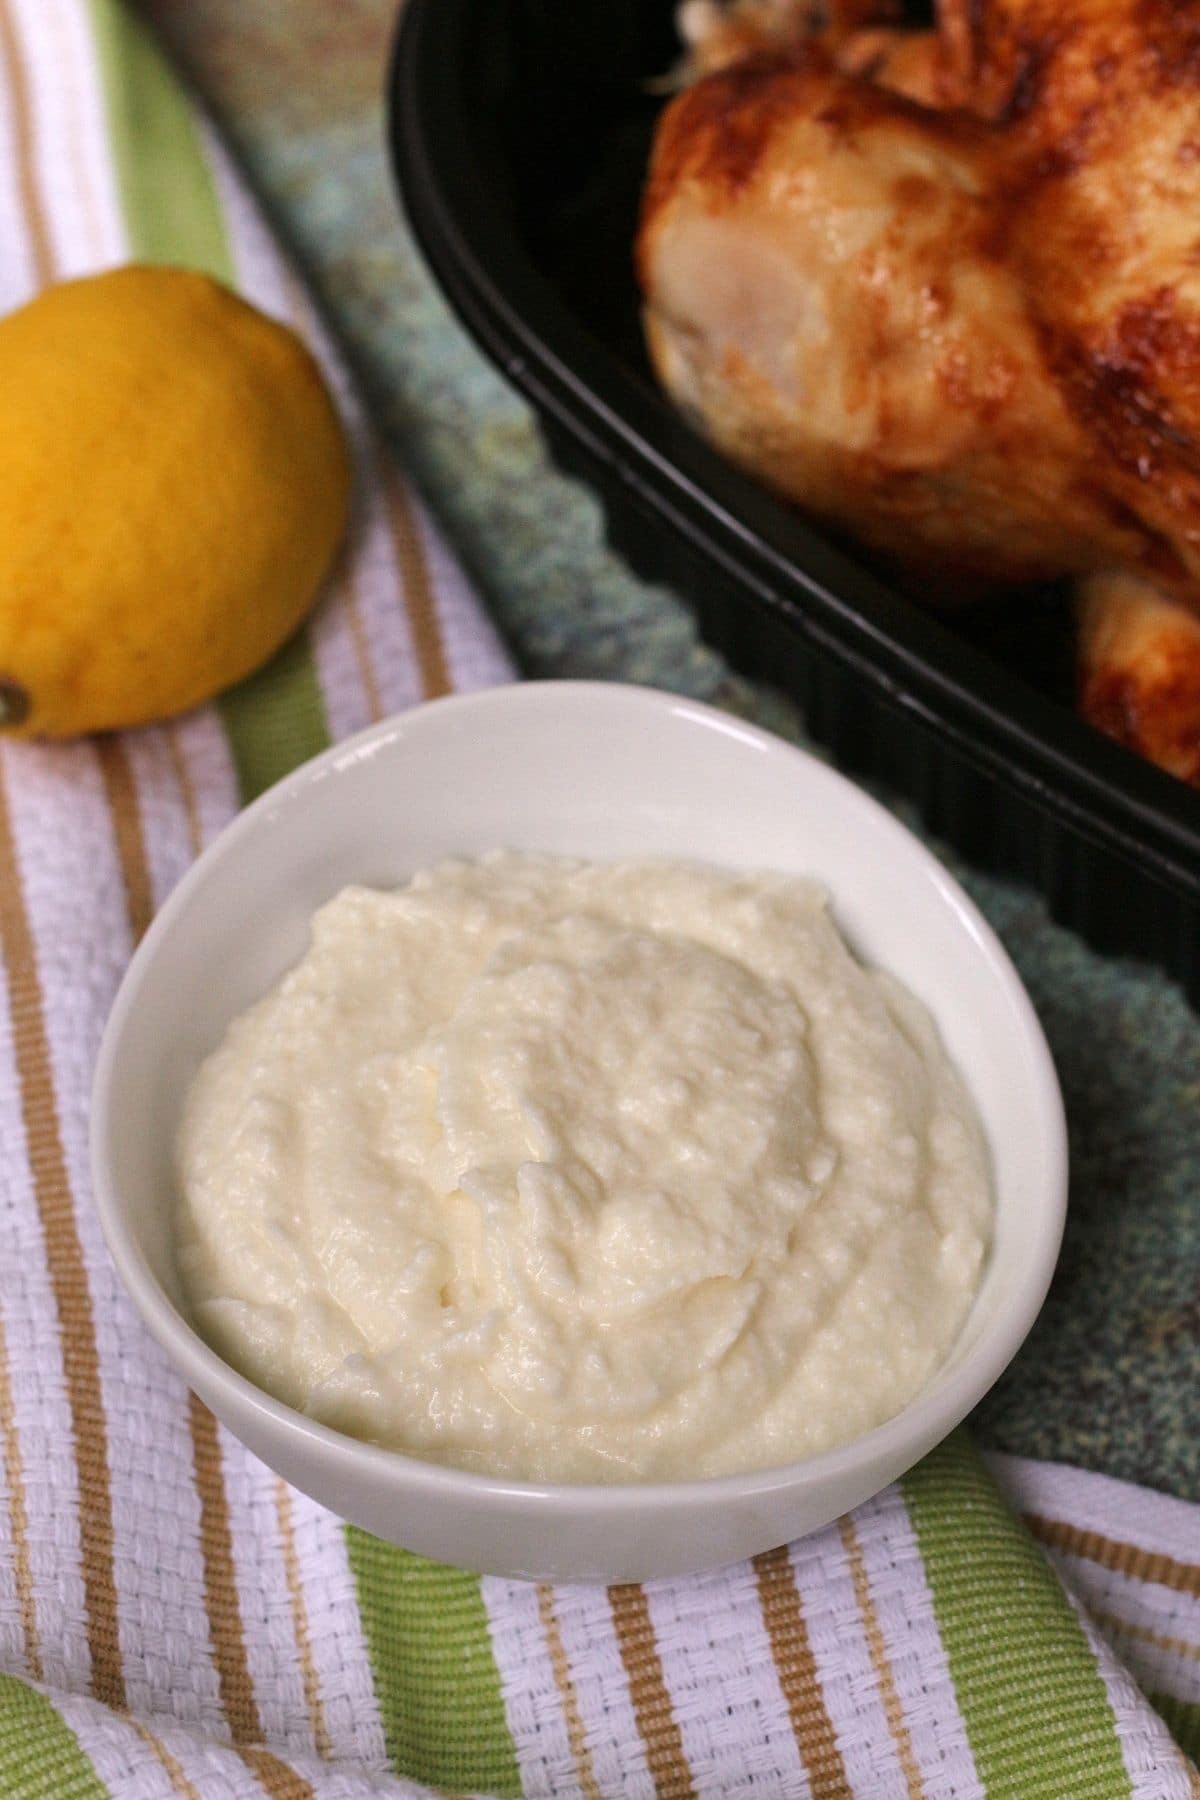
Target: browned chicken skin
[[943, 290], [1139, 671]]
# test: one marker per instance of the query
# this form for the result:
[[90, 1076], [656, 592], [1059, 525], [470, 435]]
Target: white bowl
[[598, 771]]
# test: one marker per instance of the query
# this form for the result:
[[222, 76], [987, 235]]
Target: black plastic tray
[[519, 131]]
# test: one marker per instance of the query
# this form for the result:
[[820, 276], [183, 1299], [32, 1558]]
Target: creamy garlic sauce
[[584, 1172]]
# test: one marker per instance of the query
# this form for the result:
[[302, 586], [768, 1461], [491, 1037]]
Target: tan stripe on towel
[[175, 1773], [121, 795], [796, 1667], [656, 1721], [225, 1614], [302, 315], [68, 1274], [280, 1782], [64, 1251], [187, 789], [14, 1481], [893, 1711], [220, 1585], [567, 1695], [22, 126], [418, 588], [300, 1626], [348, 592], [1144, 1634], [1121, 1559], [216, 1537]]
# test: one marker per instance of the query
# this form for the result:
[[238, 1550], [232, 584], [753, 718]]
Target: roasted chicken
[[942, 289]]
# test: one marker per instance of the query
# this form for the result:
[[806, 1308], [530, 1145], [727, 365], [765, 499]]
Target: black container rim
[[908, 657]]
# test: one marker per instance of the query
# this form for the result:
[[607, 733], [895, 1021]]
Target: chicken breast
[[943, 290]]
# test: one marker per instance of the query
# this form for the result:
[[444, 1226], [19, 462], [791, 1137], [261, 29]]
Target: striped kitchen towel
[[174, 1620]]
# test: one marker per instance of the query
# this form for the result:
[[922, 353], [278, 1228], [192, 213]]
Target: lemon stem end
[[14, 702]]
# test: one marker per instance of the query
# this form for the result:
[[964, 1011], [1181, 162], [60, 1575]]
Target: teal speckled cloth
[[1109, 1377]]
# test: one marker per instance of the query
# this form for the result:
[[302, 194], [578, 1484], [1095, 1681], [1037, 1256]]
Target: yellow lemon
[[174, 483]]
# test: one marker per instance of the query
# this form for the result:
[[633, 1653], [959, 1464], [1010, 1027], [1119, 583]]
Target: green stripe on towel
[[1036, 1713], [435, 1673], [168, 198], [40, 1757], [172, 213], [1182, 1720], [275, 719]]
